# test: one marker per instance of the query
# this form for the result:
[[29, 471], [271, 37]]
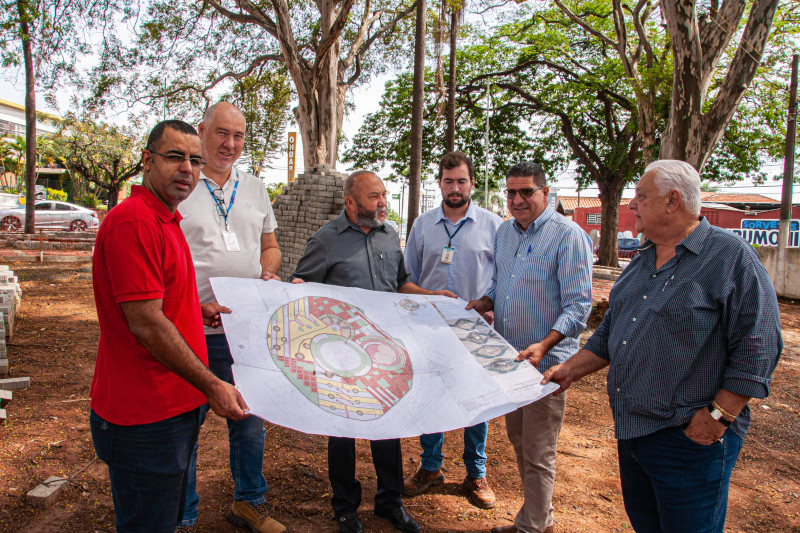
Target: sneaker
[[479, 492], [255, 517], [422, 481]]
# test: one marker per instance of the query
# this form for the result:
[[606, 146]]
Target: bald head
[[222, 133], [353, 182], [225, 107]]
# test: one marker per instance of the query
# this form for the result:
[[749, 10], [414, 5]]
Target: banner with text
[[764, 232]]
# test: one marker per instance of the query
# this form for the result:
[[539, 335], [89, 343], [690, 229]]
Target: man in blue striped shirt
[[691, 334], [541, 294], [452, 247]]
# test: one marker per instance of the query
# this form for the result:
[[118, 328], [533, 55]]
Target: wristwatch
[[717, 415]]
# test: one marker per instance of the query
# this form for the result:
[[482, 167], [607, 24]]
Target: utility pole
[[417, 108], [788, 177], [487, 149], [402, 199]]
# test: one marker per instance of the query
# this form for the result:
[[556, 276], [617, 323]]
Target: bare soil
[[47, 434]]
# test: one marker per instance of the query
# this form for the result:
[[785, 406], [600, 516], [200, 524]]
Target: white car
[[50, 214]]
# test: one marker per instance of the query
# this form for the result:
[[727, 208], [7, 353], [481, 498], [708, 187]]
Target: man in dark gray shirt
[[358, 250]]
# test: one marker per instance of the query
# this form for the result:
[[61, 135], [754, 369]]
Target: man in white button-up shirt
[[229, 225]]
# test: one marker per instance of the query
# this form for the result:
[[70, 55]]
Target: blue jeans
[[672, 484], [147, 467], [245, 442], [474, 450]]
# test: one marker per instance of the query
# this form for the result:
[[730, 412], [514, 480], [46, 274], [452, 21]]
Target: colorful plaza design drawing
[[337, 358]]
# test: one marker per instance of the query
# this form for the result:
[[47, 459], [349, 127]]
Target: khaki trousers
[[533, 431]]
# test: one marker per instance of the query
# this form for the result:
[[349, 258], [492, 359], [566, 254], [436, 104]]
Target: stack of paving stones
[[62, 240], [304, 206], [10, 294]]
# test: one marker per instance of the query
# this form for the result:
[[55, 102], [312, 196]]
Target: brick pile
[[305, 205], [10, 294]]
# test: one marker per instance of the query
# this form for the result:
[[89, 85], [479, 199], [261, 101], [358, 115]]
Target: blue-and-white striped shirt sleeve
[[542, 281]]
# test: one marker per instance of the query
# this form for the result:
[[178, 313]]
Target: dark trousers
[[388, 460], [672, 484], [147, 467]]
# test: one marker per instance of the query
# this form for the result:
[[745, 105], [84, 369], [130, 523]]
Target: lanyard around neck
[[220, 204], [450, 237]]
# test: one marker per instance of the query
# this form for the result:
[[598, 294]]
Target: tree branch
[[580, 22], [256, 16], [717, 33]]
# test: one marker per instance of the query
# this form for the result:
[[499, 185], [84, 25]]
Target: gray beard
[[369, 219]]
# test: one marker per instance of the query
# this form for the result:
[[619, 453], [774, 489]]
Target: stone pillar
[[305, 205]]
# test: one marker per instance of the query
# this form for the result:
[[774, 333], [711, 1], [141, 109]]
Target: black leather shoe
[[349, 523], [399, 518]]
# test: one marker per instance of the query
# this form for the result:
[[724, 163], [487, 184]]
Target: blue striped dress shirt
[[470, 273], [542, 281], [706, 320]]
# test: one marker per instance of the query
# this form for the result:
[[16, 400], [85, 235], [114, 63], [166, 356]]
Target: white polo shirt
[[249, 217]]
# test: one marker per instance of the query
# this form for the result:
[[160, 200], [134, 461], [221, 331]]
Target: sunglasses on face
[[525, 193]]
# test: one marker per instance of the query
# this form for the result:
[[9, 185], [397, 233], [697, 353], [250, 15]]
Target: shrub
[[89, 201], [55, 194]]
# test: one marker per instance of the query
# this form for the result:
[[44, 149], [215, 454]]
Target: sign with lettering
[[291, 153], [764, 232]]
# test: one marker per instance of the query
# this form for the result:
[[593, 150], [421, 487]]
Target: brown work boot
[[256, 517], [479, 492], [422, 481]]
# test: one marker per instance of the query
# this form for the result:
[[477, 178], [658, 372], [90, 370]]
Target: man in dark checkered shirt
[[692, 333]]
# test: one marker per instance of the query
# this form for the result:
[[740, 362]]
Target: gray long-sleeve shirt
[[340, 253]]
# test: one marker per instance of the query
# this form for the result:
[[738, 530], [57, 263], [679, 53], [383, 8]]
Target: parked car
[[51, 214], [626, 247]]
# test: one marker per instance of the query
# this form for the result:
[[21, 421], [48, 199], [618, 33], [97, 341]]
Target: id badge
[[447, 254], [231, 242]]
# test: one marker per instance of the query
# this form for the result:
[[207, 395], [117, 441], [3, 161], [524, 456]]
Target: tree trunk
[[450, 134], [692, 135], [318, 112], [610, 196], [30, 118], [113, 194], [318, 115], [417, 105]]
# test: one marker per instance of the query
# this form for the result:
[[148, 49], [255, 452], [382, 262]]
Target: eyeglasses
[[525, 193], [176, 159], [219, 195]]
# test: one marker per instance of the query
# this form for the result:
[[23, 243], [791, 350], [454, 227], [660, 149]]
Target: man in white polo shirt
[[229, 225]]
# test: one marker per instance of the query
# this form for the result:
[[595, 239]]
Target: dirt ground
[[47, 434]]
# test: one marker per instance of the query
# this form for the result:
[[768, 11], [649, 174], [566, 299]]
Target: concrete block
[[5, 397], [3, 415], [3, 367], [15, 383], [7, 318], [46, 493]]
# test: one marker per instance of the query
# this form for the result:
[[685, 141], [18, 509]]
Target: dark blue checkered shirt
[[707, 319]]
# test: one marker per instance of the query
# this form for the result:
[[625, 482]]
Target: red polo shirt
[[141, 254]]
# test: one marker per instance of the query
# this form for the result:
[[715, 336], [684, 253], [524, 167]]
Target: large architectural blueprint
[[354, 363]]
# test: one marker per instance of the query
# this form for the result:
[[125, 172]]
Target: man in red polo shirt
[[151, 372]]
